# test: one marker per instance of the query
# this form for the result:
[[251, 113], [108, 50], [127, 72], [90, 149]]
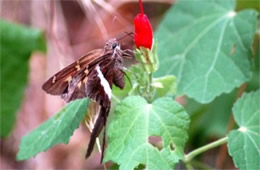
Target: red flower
[[143, 30]]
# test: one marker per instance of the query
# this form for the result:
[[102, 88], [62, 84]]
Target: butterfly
[[92, 76]]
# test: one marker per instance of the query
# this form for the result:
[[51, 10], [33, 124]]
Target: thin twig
[[88, 6], [109, 8], [58, 29]]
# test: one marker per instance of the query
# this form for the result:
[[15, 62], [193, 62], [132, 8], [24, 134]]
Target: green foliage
[[16, 44], [165, 86], [244, 143], [135, 121], [205, 44], [57, 129]]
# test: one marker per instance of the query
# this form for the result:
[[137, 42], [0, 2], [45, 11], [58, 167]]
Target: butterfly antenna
[[126, 34]]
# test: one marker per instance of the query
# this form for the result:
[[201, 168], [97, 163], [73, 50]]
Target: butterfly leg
[[128, 54]]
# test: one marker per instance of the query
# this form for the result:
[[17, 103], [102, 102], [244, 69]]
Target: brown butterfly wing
[[119, 78], [59, 83], [94, 88], [86, 83], [76, 87]]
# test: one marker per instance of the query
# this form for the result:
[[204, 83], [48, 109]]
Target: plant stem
[[150, 88], [200, 165], [117, 100], [189, 156], [189, 166]]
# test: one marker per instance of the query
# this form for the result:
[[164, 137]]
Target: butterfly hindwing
[[76, 87], [98, 86]]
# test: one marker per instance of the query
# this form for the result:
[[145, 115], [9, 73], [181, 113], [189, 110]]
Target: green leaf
[[165, 86], [16, 44], [57, 129], [135, 121], [205, 44], [244, 143]]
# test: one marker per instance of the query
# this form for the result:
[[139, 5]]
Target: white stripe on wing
[[104, 82]]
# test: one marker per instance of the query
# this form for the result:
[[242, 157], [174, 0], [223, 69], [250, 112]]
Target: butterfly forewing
[[59, 83]]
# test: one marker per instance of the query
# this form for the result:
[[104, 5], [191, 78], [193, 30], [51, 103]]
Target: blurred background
[[71, 28]]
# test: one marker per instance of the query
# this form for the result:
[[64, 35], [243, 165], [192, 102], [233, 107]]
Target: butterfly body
[[92, 76]]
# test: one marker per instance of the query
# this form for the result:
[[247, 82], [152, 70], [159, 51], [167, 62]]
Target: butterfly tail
[[105, 112], [100, 123], [96, 131]]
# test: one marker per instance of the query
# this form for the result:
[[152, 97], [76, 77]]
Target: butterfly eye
[[114, 45]]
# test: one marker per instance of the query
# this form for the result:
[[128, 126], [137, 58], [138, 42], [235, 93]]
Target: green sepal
[[148, 58]]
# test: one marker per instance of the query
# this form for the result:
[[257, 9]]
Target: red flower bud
[[143, 30]]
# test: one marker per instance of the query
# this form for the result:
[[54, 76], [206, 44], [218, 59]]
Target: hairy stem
[[188, 157]]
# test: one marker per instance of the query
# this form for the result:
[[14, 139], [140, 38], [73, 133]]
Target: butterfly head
[[112, 44]]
